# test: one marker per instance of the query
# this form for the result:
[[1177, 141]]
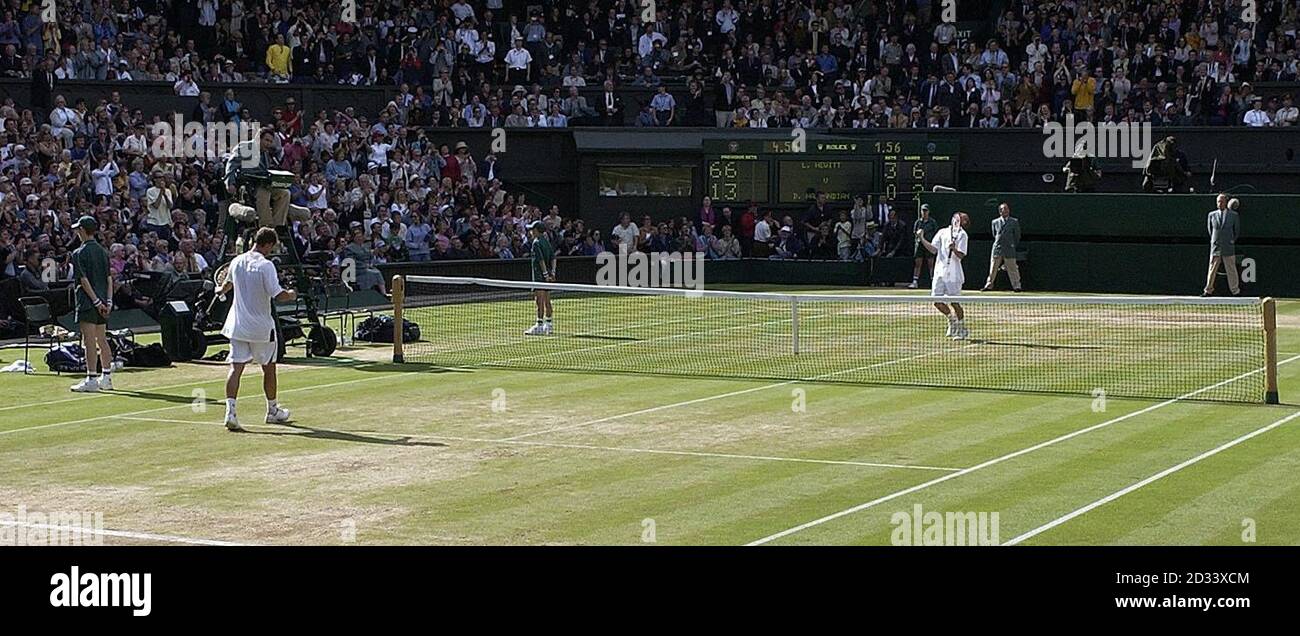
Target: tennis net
[[1128, 346]]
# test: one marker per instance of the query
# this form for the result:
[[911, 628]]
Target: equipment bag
[[380, 329], [151, 355], [121, 343], [69, 358]]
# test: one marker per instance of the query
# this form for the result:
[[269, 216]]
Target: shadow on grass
[[297, 430], [164, 397], [1033, 345], [409, 367]]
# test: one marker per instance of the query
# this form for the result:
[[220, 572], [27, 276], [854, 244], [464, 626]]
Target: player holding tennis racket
[[949, 247], [250, 324]]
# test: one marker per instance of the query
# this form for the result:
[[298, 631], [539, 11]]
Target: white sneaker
[[86, 385], [548, 329], [961, 332], [105, 383], [279, 415], [535, 330], [911, 285], [232, 423], [952, 329]]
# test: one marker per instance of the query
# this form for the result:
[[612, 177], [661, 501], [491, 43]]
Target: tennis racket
[[219, 278]]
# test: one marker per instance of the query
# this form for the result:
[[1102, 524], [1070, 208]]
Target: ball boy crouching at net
[[949, 247], [250, 324]]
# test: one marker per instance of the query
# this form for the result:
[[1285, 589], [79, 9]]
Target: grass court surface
[[417, 454]]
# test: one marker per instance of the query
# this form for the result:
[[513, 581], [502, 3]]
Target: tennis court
[[464, 452]]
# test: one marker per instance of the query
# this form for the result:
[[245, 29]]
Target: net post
[[399, 298], [794, 325], [1270, 351]]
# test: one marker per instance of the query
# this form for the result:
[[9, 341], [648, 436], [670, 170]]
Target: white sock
[[548, 321], [270, 406], [230, 407]]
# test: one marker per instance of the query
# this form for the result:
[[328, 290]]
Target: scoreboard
[[781, 172], [840, 179], [736, 180]]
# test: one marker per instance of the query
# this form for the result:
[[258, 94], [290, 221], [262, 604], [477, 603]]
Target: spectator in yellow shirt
[[1085, 87], [279, 58]]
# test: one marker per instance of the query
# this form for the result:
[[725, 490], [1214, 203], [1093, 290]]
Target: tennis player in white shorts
[[250, 324], [949, 248]]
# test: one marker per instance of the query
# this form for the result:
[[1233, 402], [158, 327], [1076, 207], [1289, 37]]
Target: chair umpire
[[251, 162]]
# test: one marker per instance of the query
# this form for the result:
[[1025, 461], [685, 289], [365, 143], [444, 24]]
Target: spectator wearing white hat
[[788, 246]]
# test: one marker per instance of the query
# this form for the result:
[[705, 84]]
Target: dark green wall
[[1160, 217], [1141, 244]]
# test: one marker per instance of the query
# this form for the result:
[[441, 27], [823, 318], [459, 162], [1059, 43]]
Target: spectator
[[664, 106], [185, 86], [893, 234], [646, 118], [788, 246], [844, 236], [626, 234], [727, 246], [1256, 117], [1287, 115]]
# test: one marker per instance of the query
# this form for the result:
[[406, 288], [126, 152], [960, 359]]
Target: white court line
[[523, 339], [675, 336], [123, 534], [710, 398], [377, 376], [720, 455], [343, 383], [1156, 477], [998, 460], [162, 419], [621, 449], [128, 391]]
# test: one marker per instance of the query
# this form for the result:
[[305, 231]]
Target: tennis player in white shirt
[[949, 248], [250, 325]]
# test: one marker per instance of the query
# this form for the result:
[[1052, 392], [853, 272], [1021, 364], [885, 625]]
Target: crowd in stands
[[378, 191], [867, 229], [759, 63]]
